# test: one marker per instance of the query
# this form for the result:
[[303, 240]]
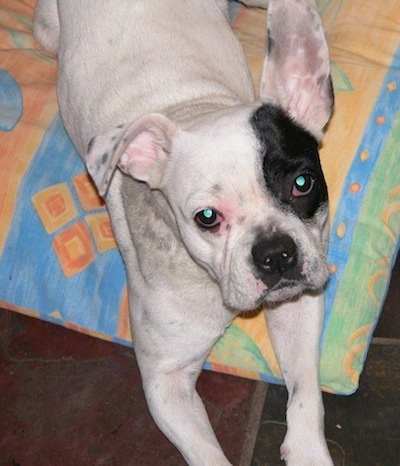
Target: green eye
[[303, 185], [300, 181], [208, 213], [208, 218]]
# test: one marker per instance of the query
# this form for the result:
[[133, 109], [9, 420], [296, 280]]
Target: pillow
[[58, 257]]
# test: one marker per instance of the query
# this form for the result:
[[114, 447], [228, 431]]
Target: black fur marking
[[270, 42], [331, 92], [288, 151]]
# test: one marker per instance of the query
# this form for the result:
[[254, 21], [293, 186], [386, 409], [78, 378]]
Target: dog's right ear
[[141, 149], [296, 74]]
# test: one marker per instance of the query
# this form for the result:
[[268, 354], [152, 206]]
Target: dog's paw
[[302, 454]]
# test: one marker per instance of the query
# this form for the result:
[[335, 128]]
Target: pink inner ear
[[296, 71], [139, 155], [144, 144], [301, 104], [142, 158]]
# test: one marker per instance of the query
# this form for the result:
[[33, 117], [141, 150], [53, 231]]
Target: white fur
[[157, 97]]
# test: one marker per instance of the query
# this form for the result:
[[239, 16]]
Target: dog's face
[[250, 202], [246, 193]]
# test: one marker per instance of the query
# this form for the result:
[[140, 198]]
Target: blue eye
[[208, 218], [302, 185]]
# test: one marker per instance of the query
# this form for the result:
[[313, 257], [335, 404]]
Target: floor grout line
[[253, 423]]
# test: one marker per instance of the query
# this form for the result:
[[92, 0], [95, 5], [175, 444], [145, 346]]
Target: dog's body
[[218, 203]]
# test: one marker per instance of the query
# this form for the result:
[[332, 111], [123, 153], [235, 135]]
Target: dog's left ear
[[296, 73], [140, 149]]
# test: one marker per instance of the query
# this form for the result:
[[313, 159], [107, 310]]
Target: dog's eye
[[302, 185], [208, 218]]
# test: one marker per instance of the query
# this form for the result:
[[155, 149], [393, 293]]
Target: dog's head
[[244, 185]]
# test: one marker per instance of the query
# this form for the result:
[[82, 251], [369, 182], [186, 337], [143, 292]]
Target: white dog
[[217, 200]]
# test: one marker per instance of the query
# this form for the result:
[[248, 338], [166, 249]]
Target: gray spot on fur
[[104, 158], [90, 145]]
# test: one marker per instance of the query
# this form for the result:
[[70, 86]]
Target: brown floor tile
[[69, 399]]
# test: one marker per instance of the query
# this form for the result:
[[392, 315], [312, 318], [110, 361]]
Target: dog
[[216, 197]]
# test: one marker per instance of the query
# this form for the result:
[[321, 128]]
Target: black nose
[[274, 257]]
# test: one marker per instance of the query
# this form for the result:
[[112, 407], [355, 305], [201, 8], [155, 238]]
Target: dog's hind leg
[[46, 26], [295, 329]]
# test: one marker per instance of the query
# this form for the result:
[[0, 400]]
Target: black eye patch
[[290, 161]]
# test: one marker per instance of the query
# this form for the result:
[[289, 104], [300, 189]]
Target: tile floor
[[69, 399]]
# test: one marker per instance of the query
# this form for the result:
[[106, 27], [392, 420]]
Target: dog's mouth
[[279, 288], [287, 289], [284, 290]]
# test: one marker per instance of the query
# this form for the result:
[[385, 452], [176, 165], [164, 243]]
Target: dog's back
[[144, 56]]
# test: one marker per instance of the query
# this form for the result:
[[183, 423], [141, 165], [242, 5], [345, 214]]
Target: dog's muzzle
[[276, 258]]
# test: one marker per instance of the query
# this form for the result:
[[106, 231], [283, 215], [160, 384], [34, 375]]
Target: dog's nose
[[274, 257]]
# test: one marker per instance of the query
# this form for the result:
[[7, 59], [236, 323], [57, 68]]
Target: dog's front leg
[[295, 329], [179, 411], [171, 343]]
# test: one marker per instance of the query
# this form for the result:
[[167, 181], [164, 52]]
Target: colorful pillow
[[58, 258]]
